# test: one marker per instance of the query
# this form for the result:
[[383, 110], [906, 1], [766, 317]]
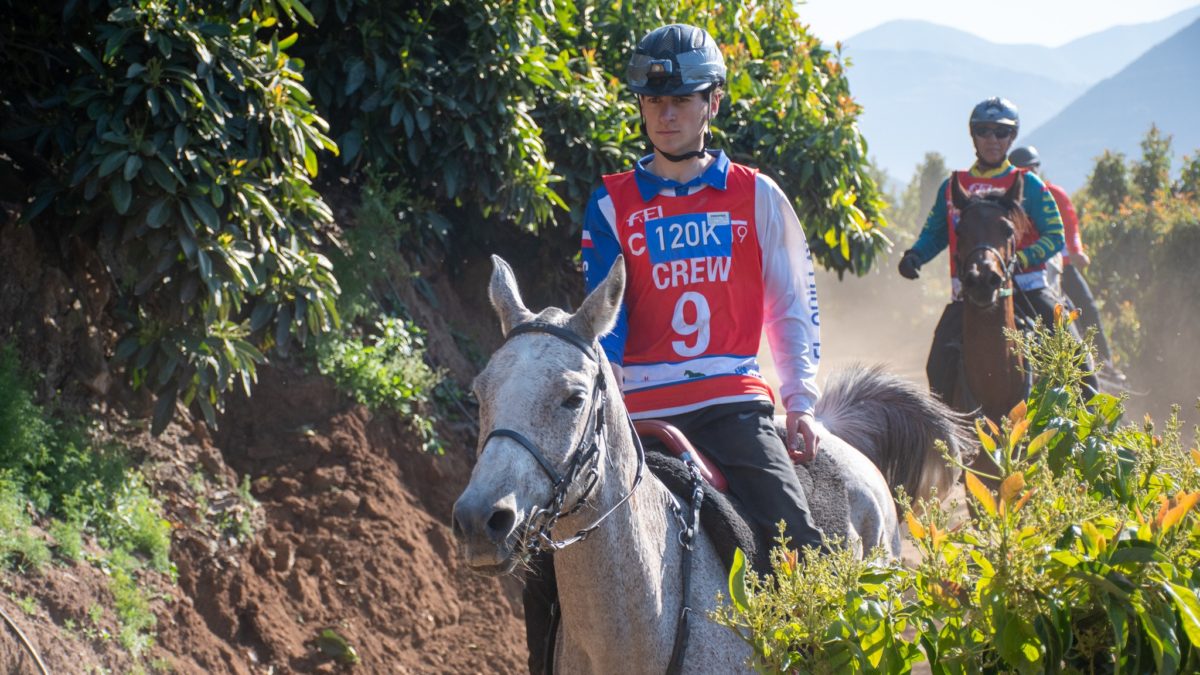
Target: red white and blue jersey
[[709, 264]]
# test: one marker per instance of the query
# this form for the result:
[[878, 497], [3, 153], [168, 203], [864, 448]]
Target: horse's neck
[[992, 363], [611, 585]]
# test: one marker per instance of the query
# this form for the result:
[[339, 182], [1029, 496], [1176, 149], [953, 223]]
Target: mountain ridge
[[1160, 87], [935, 74]]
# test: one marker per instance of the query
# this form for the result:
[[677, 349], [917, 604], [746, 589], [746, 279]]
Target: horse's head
[[541, 400], [989, 227]]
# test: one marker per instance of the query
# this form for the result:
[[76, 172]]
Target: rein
[[584, 459]]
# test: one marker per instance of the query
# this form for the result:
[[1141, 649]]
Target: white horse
[[557, 456]]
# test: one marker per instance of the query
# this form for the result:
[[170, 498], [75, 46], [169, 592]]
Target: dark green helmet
[[1025, 157], [996, 110], [675, 60]]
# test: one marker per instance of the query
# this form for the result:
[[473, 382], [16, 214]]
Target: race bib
[[689, 235]]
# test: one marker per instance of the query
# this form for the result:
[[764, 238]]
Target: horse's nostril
[[993, 280], [501, 523]]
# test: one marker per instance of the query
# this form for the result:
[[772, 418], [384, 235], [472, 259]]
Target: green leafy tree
[[178, 142], [1108, 184], [1189, 177], [1153, 173], [1143, 247], [509, 112]]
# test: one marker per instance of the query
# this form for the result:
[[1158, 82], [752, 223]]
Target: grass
[[53, 471]]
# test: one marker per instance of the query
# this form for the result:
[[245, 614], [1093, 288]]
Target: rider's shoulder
[[1033, 180]]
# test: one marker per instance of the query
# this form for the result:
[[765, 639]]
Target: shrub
[[385, 370], [1083, 561], [176, 141]]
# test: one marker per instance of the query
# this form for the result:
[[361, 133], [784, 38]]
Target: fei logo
[[634, 240]]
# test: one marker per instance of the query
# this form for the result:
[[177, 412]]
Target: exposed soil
[[352, 536], [349, 518]]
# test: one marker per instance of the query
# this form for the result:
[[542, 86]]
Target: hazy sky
[[1044, 22]]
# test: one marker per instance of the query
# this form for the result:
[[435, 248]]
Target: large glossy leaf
[[737, 581]]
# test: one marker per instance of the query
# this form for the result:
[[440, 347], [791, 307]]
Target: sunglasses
[[998, 133]]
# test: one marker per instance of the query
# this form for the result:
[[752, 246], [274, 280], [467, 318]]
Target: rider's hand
[[802, 440], [1079, 260], [909, 265]]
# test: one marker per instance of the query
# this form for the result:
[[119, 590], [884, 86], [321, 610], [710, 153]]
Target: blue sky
[[1044, 22]]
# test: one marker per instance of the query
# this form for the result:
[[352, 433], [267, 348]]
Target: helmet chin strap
[[705, 139]]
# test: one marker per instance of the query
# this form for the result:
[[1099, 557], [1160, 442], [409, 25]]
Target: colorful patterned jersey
[[1039, 205]]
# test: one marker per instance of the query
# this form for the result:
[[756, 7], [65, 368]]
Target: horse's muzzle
[[486, 533]]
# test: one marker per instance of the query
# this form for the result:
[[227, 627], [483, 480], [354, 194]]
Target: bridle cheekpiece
[[584, 459]]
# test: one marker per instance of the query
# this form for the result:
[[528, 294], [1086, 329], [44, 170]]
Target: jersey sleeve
[[1039, 204], [790, 312], [1070, 219], [934, 237], [599, 250]]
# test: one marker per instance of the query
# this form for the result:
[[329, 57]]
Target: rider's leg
[[743, 442], [540, 597], [944, 353], [1080, 295]]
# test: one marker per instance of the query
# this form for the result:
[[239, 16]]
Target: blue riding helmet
[[675, 60], [996, 110], [1025, 157]]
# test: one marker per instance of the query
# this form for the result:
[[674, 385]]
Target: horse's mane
[[1012, 208]]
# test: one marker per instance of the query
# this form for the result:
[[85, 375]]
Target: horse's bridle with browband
[[1008, 266], [584, 459]]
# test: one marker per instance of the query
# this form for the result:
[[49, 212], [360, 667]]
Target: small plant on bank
[[798, 620], [52, 470], [1083, 561], [386, 369]]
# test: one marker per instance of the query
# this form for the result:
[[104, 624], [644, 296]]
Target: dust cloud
[[884, 318], [879, 318]]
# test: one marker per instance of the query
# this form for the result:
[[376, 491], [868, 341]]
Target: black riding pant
[[1080, 295], [741, 440], [945, 354]]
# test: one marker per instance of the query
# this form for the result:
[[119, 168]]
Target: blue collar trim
[[650, 185]]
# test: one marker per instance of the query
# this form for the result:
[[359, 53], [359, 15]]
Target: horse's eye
[[574, 401]]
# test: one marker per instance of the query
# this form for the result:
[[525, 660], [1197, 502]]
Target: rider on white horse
[[714, 253]]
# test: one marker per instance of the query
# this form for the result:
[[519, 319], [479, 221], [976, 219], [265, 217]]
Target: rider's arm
[[789, 296], [1039, 204], [1070, 219], [933, 237], [600, 249]]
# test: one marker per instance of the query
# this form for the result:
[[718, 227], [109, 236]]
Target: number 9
[[684, 329]]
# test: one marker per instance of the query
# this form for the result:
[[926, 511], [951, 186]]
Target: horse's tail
[[896, 424]]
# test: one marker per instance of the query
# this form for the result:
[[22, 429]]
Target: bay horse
[[993, 377], [557, 455]]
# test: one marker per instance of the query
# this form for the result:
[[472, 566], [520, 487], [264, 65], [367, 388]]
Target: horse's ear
[[958, 196], [1017, 191], [505, 296], [598, 313]]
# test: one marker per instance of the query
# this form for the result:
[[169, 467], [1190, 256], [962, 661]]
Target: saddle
[[719, 513]]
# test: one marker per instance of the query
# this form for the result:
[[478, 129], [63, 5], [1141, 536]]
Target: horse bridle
[[1008, 266], [584, 458]]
